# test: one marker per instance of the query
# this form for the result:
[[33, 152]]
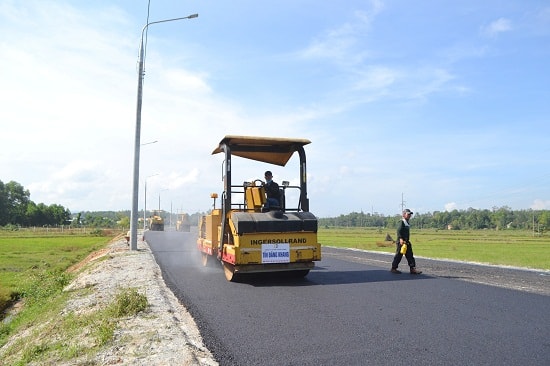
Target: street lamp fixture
[[135, 183]]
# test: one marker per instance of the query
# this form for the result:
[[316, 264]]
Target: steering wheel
[[258, 180]]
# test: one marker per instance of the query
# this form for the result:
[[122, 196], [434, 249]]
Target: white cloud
[[376, 78], [450, 206], [183, 81], [340, 44], [71, 182], [496, 27], [540, 204], [68, 99], [178, 180]]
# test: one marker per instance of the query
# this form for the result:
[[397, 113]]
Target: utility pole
[[402, 203], [135, 182]]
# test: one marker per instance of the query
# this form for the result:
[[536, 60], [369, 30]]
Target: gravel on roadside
[[164, 334]]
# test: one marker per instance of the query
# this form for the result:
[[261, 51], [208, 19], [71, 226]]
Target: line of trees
[[16, 208], [470, 219], [102, 219], [121, 219]]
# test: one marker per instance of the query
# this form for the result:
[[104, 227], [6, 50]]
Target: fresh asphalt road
[[350, 310]]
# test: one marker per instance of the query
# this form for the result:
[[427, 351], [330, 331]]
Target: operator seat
[[279, 207]]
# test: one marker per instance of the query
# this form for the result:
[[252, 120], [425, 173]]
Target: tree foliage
[[103, 219], [470, 219], [16, 208]]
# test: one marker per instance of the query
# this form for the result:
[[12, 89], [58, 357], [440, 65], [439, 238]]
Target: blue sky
[[441, 103]]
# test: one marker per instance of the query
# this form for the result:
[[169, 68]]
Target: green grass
[[63, 337], [34, 271], [32, 267], [504, 247]]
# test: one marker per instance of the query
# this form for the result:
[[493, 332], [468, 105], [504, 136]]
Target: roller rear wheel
[[204, 259], [229, 271]]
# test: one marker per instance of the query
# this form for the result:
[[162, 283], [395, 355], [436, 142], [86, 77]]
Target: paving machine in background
[[182, 223], [245, 236], [156, 222]]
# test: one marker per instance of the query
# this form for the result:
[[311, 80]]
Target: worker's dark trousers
[[408, 254]]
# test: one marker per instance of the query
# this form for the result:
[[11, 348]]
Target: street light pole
[[145, 194], [145, 207], [135, 183], [145, 202], [162, 190]]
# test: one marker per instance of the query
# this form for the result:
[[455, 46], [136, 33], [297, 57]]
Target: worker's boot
[[415, 271]]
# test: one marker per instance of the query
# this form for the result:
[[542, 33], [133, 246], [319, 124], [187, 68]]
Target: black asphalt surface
[[350, 310]]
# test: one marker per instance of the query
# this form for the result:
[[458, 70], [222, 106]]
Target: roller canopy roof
[[272, 150]]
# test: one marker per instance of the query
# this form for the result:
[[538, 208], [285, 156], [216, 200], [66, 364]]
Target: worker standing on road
[[403, 236]]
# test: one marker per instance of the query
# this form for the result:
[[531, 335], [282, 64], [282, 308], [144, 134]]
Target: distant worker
[[403, 236], [271, 192]]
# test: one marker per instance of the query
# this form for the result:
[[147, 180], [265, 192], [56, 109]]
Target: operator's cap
[[268, 174], [407, 211]]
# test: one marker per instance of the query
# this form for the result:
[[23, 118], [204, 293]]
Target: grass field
[[31, 266], [505, 247]]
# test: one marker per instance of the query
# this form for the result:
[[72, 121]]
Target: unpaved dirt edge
[[164, 334]]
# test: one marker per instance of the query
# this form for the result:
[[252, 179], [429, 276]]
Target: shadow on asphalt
[[363, 276], [321, 276]]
